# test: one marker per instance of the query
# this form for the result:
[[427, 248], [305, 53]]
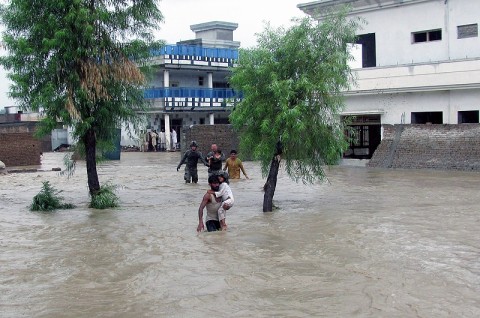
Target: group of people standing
[[219, 198], [157, 141]]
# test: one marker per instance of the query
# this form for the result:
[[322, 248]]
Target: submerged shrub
[[105, 198], [48, 199]]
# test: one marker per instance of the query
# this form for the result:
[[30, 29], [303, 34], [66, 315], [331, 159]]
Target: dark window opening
[[202, 121], [426, 36], [200, 81], [427, 118], [419, 37], [435, 35], [467, 31], [222, 121], [468, 117], [220, 85], [369, 58]]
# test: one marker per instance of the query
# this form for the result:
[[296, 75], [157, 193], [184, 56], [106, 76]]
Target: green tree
[[292, 84], [81, 62]]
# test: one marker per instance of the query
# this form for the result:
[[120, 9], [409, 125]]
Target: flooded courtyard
[[366, 243]]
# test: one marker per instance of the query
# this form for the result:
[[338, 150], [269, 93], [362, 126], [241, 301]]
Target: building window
[[468, 117], [467, 31], [200, 81], [427, 36], [367, 42], [427, 118]]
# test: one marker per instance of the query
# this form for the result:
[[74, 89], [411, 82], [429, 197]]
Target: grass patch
[[105, 198], [48, 199]]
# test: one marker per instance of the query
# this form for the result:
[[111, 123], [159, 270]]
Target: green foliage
[[73, 60], [82, 63], [292, 84], [48, 199], [70, 163], [105, 198]]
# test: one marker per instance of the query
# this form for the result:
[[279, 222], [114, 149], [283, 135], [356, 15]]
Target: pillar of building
[[166, 78], [210, 85], [168, 135], [210, 79], [211, 118]]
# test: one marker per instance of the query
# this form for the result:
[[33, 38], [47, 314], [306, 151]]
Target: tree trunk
[[90, 143], [271, 183]]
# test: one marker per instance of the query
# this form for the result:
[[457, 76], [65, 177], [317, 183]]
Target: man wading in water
[[212, 204], [191, 157]]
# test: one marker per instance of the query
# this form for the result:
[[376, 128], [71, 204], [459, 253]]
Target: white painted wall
[[5, 83], [393, 27], [462, 12]]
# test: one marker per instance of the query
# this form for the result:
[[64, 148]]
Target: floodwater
[[367, 243]]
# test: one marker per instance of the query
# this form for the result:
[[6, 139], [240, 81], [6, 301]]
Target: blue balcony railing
[[197, 51], [190, 92]]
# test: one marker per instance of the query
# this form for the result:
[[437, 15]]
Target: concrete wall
[[205, 135], [446, 147], [19, 147]]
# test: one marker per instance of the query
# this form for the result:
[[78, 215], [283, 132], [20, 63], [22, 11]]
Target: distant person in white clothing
[[174, 139], [163, 140]]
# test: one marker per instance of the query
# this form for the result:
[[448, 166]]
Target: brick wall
[[205, 135], [447, 147], [19, 147]]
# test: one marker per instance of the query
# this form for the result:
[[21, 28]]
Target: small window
[[427, 118], [200, 81], [468, 117], [467, 31], [427, 36], [420, 37]]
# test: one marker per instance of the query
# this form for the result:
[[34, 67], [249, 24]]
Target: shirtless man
[[212, 204]]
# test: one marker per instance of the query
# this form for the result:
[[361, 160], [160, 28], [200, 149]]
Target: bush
[[48, 199], [105, 198]]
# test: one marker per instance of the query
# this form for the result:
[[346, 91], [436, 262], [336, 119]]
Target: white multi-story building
[[420, 64], [190, 81]]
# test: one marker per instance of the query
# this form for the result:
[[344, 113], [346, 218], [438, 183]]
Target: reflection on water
[[368, 243]]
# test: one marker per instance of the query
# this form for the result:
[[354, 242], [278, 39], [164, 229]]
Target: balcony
[[195, 56], [189, 98], [446, 75], [190, 92]]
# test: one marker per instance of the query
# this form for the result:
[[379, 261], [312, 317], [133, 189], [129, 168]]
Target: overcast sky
[[180, 14], [249, 14]]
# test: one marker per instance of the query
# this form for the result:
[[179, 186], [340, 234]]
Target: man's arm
[[203, 204], [243, 170], [203, 159], [185, 155]]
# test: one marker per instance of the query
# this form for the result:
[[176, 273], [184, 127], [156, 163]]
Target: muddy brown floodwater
[[368, 243]]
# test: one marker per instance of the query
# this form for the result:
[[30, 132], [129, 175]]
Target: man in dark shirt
[[215, 162], [191, 156]]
